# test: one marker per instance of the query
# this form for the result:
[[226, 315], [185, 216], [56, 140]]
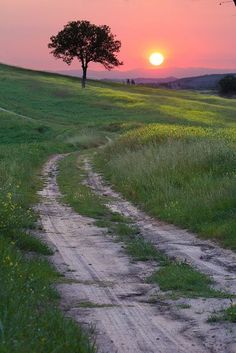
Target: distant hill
[[154, 81], [201, 83], [206, 82], [147, 76], [145, 81]]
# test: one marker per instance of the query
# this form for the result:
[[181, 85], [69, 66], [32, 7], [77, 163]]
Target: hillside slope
[[205, 82], [74, 118], [175, 158], [58, 100]]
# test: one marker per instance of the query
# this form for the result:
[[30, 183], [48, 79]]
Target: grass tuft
[[185, 281], [228, 314]]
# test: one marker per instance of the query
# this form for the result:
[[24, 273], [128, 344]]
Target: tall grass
[[190, 182]]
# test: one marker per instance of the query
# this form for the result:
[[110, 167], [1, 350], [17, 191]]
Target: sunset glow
[[156, 59], [192, 34]]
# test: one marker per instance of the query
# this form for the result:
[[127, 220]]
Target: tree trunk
[[84, 78]]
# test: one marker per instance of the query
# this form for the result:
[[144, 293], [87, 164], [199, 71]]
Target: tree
[[87, 43], [228, 85], [227, 2]]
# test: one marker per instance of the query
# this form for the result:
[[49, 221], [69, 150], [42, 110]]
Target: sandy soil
[[105, 289]]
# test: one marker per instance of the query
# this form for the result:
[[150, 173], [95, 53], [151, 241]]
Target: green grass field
[[178, 147], [30, 320], [185, 176]]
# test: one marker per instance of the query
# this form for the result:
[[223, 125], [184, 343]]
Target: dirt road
[[107, 290]]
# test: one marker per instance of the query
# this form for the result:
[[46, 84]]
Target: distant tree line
[[227, 85]]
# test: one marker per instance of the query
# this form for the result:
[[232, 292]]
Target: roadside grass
[[29, 243], [179, 278], [188, 181], [30, 319]]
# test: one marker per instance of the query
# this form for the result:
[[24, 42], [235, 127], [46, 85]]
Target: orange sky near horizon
[[192, 33]]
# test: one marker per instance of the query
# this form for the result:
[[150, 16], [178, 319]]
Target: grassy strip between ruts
[[181, 279]]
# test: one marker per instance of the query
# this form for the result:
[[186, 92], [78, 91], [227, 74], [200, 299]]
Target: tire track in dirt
[[105, 289]]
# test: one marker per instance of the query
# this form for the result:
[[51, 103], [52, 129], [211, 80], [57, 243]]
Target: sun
[[156, 59]]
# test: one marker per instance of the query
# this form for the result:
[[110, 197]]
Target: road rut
[[107, 290]]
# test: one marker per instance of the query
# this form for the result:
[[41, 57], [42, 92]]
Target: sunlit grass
[[184, 175], [168, 162], [58, 100]]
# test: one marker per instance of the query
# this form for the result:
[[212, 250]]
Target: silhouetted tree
[[87, 43], [133, 82], [228, 85], [128, 81], [227, 2]]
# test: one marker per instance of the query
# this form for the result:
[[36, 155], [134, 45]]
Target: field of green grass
[[30, 320], [173, 154], [183, 175]]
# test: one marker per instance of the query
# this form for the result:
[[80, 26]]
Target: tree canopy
[[86, 42], [228, 85]]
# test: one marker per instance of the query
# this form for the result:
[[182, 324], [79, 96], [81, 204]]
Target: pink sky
[[193, 33]]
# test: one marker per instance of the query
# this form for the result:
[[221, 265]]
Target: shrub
[[228, 85]]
